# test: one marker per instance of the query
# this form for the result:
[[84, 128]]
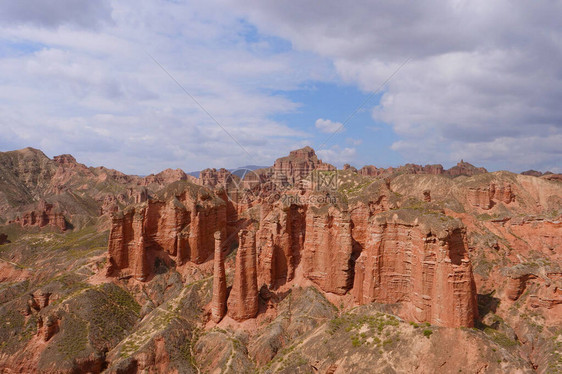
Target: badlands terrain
[[294, 268]]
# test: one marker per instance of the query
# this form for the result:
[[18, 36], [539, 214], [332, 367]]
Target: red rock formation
[[291, 170], [349, 167], [424, 266], [370, 171], [552, 177], [435, 169], [482, 196], [218, 303], [279, 241], [65, 159], [502, 193], [464, 168], [328, 248], [213, 177], [46, 330], [532, 173], [549, 294], [479, 197], [44, 214], [178, 225], [427, 196], [109, 205], [243, 299], [516, 285], [166, 177]]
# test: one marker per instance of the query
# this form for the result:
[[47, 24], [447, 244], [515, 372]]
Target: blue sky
[[482, 83]]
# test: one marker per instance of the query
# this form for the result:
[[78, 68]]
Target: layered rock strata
[[177, 227], [45, 214], [328, 248], [482, 197], [218, 303], [280, 240], [243, 298], [421, 263]]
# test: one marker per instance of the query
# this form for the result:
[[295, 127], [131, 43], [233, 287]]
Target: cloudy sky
[[424, 82]]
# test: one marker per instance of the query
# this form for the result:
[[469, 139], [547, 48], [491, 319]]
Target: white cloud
[[481, 74], [352, 141], [327, 126], [337, 155], [88, 87]]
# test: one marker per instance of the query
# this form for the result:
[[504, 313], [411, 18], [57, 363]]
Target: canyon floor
[[295, 268]]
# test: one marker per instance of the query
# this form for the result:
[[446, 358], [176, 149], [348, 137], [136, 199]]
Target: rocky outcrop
[[291, 170], [280, 240], [214, 178], [552, 177], [65, 159], [502, 192], [243, 298], [179, 225], [533, 173], [479, 197], [516, 285], [4, 239], [218, 303], [45, 214], [47, 327], [464, 168], [421, 263], [166, 177], [328, 248], [482, 197], [371, 171]]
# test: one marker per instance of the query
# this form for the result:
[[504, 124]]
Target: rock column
[[243, 300], [218, 306]]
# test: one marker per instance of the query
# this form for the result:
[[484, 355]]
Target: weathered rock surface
[[218, 306], [327, 250], [421, 263], [45, 214], [179, 225], [213, 177], [462, 168], [280, 240], [243, 298], [482, 197], [291, 170], [330, 264]]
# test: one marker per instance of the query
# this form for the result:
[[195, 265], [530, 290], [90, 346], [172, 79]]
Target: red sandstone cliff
[[243, 298], [44, 214], [178, 225], [421, 263]]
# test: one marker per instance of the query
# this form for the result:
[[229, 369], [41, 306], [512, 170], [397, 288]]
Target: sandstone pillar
[[218, 306], [243, 300]]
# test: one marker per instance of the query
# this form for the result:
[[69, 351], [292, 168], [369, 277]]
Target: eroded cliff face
[[291, 170], [422, 264], [243, 298], [483, 197], [360, 247], [328, 247], [179, 226], [280, 240], [370, 245], [44, 214]]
